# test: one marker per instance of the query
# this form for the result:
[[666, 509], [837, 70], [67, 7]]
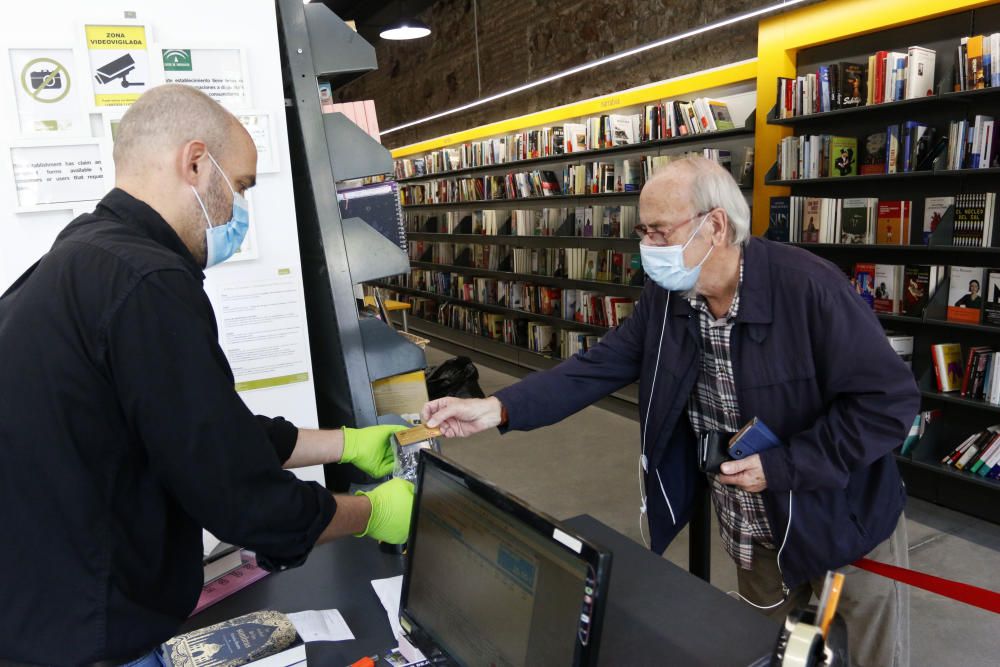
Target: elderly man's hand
[[748, 474], [461, 417]]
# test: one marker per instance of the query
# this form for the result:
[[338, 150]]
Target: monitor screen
[[489, 588]]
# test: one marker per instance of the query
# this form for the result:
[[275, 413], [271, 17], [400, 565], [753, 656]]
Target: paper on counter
[[321, 626], [389, 591]]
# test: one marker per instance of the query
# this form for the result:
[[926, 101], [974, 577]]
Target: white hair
[[712, 186]]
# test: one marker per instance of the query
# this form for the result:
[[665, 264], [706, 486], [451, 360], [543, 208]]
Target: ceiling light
[[405, 29]]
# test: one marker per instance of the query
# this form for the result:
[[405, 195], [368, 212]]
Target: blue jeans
[[151, 659]]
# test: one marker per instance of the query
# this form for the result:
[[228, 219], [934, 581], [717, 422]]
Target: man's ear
[[719, 220], [192, 159]]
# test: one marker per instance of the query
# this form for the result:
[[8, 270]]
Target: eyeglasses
[[658, 235]]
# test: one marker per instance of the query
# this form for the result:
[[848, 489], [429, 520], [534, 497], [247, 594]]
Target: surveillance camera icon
[[119, 68]]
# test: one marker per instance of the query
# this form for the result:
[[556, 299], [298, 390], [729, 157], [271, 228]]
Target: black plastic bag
[[456, 377]]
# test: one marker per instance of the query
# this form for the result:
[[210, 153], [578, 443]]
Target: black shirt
[[121, 436]]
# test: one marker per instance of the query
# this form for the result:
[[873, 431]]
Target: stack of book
[[855, 220], [663, 120], [976, 62], [972, 145], [514, 185], [593, 178], [817, 156], [651, 164], [979, 454], [886, 77]]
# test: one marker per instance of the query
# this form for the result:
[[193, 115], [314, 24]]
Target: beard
[[219, 207]]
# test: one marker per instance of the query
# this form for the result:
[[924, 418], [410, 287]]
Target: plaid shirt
[[714, 407]]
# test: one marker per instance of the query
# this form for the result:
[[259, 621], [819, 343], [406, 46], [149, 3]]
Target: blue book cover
[[900, 91], [824, 97]]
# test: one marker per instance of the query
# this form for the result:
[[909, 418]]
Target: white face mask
[[665, 264]]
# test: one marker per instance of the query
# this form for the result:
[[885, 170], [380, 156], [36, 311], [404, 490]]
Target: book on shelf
[[873, 154], [843, 156], [893, 226], [902, 345], [991, 297], [976, 365], [934, 211], [857, 217], [965, 298], [947, 361], [972, 145], [920, 282], [778, 228], [655, 122], [974, 219], [920, 63], [864, 282], [976, 62], [978, 454], [888, 292], [919, 427], [746, 171], [887, 76]]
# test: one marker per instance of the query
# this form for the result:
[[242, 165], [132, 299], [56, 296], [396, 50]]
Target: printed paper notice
[[53, 175], [43, 87], [258, 125], [119, 63], [216, 72], [264, 333]]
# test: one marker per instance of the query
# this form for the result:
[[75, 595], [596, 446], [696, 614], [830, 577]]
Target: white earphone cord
[[643, 462], [784, 589]]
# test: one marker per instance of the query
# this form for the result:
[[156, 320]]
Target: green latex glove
[[368, 449], [392, 504]]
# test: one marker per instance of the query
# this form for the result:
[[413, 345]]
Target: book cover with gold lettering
[[232, 643]]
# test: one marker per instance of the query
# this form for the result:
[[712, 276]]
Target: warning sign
[[46, 101], [119, 63]]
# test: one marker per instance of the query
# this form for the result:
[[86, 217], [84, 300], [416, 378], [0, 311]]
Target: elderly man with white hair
[[729, 329], [121, 433]]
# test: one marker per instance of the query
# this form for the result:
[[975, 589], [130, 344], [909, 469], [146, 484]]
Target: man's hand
[[392, 504], [368, 449], [748, 474], [461, 417]]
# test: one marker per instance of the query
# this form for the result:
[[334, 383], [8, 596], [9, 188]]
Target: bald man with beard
[[121, 433]]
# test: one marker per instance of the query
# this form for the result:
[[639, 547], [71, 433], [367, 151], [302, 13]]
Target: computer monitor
[[490, 581]]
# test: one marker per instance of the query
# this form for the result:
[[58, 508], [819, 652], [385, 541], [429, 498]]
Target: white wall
[[248, 24]]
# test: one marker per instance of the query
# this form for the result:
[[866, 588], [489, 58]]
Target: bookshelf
[[597, 154], [926, 477], [732, 85]]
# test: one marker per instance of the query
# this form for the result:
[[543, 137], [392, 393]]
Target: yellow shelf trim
[[716, 77]]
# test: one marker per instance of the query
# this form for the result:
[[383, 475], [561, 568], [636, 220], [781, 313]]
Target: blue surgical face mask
[[222, 241], [665, 264]]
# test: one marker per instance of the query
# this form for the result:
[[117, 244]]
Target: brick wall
[[523, 40]]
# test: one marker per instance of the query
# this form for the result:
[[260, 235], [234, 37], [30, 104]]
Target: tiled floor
[[588, 464]]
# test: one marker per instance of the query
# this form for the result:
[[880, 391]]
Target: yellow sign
[[119, 62]]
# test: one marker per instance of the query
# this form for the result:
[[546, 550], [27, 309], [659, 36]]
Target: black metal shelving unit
[[348, 352]]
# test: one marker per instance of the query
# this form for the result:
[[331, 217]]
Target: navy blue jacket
[[810, 360]]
